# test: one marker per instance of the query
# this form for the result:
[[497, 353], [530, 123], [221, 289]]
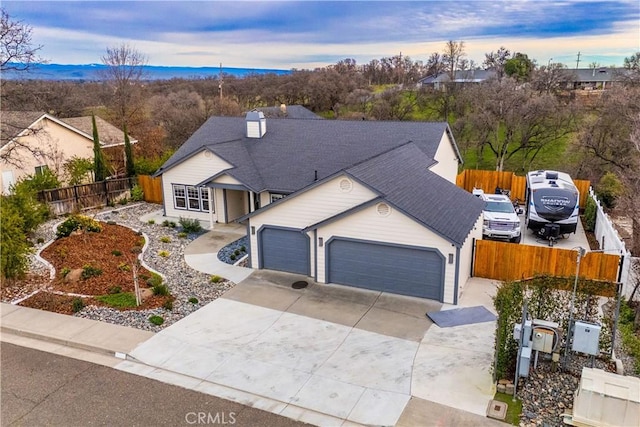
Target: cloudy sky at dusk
[[307, 34]]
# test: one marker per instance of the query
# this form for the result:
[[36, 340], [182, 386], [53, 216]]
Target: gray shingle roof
[[286, 157], [289, 112], [402, 178], [14, 122]]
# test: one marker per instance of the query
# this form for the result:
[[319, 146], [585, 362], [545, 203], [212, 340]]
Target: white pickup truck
[[500, 217]]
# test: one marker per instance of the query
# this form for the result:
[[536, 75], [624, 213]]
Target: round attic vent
[[208, 154], [383, 209], [346, 185]]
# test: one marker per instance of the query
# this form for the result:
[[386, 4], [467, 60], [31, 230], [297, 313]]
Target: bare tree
[[507, 120], [125, 72], [551, 78], [495, 61], [18, 53], [452, 55]]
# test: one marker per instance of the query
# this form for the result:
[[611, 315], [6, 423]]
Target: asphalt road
[[44, 389]]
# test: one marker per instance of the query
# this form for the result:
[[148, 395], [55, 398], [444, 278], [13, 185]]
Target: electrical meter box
[[525, 361], [542, 340], [586, 338]]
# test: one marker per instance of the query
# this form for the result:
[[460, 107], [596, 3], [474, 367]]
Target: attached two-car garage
[[400, 269]]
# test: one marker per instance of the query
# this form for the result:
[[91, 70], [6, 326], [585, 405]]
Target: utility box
[[542, 340], [525, 361], [606, 399], [586, 338], [517, 330]]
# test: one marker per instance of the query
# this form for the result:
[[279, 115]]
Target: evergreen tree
[[99, 165], [128, 152]]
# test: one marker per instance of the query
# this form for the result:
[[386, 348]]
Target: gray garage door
[[284, 250], [398, 269]]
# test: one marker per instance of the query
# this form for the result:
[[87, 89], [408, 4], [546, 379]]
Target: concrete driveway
[[326, 354]]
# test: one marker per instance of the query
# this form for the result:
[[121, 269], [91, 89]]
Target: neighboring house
[[581, 78], [461, 77], [34, 141], [369, 204]]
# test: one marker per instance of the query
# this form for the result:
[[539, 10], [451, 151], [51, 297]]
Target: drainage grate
[[299, 285]]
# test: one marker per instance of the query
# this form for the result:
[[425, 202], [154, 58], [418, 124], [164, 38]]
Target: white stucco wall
[[191, 172], [447, 166], [396, 228], [58, 143]]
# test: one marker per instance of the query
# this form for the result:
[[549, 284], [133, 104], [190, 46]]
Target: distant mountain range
[[88, 72]]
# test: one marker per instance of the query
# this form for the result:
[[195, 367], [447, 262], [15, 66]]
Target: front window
[[191, 198], [40, 169]]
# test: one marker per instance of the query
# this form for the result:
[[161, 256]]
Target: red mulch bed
[[113, 250]]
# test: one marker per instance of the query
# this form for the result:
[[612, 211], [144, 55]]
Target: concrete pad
[[174, 378], [241, 397], [344, 293], [373, 361], [214, 240], [377, 407], [297, 342], [263, 379], [453, 367], [264, 295], [394, 324], [328, 396], [195, 361], [6, 309], [210, 264], [331, 309], [111, 337], [416, 307], [479, 291], [45, 324], [308, 416], [420, 412]]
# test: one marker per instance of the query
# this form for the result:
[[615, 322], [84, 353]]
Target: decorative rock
[[509, 388], [502, 388], [73, 276]]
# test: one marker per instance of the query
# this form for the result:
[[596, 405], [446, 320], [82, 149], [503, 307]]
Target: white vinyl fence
[[611, 242]]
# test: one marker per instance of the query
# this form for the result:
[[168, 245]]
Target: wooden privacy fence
[[508, 261], [78, 197], [152, 188], [489, 180]]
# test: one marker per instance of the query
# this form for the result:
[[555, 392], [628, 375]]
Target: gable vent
[[256, 124], [346, 185], [383, 209]]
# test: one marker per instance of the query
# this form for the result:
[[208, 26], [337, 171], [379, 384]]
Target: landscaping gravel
[[239, 245], [184, 282]]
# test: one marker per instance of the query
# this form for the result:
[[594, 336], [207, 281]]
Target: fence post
[[106, 192]]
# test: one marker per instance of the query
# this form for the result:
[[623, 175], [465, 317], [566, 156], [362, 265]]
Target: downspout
[[315, 254], [211, 208], [456, 279]]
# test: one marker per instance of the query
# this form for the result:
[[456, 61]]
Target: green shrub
[[40, 240], [167, 223], [156, 320], [590, 214], [116, 252], [182, 235], [190, 225], [154, 280], [14, 261], [151, 221], [123, 201], [119, 300], [168, 305], [123, 266], [65, 271], [630, 340], [90, 271], [161, 290], [141, 241], [236, 252], [115, 290], [243, 248], [608, 190], [232, 257], [193, 300], [77, 304], [77, 222], [215, 279], [163, 254], [137, 194], [165, 239]]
